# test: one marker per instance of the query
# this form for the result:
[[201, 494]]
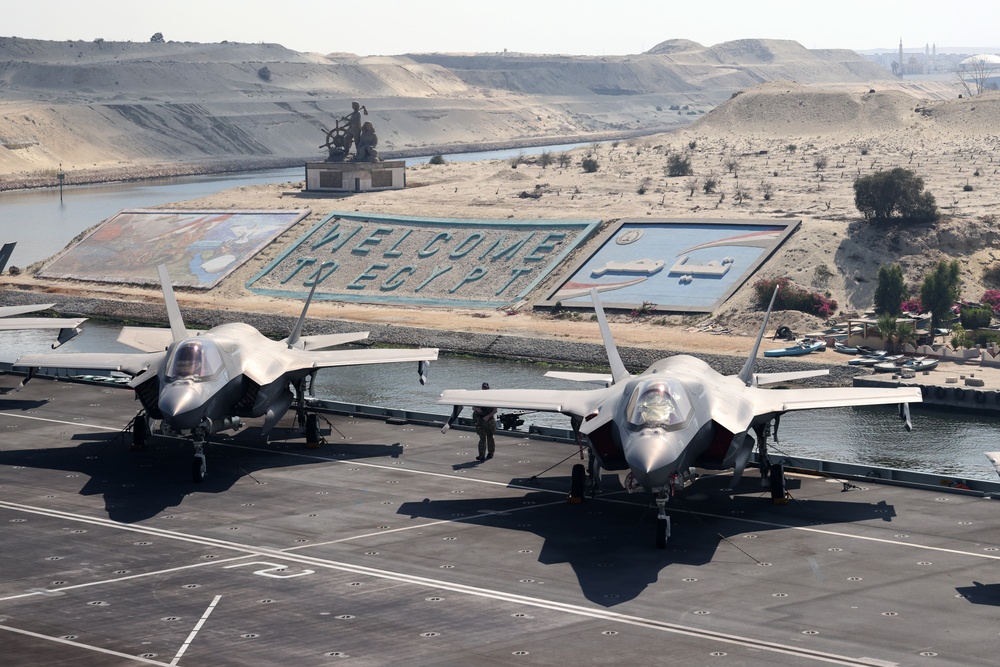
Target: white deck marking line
[[62, 589], [197, 628], [60, 421], [503, 596], [60, 640]]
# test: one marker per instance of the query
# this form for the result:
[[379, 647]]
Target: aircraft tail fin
[[746, 375], [5, 252], [618, 371], [177, 328], [293, 337]]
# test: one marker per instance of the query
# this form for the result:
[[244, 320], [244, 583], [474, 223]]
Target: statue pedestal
[[355, 176]]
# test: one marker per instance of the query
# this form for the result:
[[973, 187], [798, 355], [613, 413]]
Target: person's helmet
[[486, 385]]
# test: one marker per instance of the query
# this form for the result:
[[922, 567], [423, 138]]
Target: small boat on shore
[[914, 365], [804, 346], [872, 359]]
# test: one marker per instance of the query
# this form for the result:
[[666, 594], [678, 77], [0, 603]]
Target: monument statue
[[362, 137], [365, 151]]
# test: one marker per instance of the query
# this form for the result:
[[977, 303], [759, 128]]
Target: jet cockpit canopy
[[196, 358], [661, 402]]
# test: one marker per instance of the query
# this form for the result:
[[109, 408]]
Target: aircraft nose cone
[[653, 456], [181, 405]]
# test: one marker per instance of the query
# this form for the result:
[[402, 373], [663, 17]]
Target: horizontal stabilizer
[[7, 311], [19, 323], [602, 379], [771, 378], [323, 341], [149, 339]]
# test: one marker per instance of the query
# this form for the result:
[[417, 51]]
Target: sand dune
[[137, 106]]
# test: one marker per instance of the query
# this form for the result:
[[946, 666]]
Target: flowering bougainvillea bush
[[991, 298], [791, 297]]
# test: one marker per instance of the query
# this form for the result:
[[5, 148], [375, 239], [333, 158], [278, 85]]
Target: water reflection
[[945, 443], [43, 224]]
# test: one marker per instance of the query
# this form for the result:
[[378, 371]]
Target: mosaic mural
[[397, 259], [677, 265], [200, 248]]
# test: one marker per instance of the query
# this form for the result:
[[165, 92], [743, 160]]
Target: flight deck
[[391, 544]]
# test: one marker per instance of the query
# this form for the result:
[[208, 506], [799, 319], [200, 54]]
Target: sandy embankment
[[792, 152]]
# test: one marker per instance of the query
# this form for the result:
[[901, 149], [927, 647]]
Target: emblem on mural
[[707, 259]]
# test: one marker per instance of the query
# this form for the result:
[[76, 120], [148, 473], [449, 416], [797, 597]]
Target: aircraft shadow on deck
[[979, 593], [610, 545], [138, 485]]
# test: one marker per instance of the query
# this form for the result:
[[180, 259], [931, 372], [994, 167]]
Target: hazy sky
[[579, 27]]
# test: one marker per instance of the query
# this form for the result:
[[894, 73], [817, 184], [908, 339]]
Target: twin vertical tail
[[293, 337], [177, 329], [618, 371], [746, 375]]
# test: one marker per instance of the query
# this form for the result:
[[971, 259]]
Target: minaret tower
[[900, 57]]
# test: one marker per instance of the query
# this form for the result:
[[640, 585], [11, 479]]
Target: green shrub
[[976, 318], [264, 73], [437, 159], [987, 338], [589, 165], [894, 195], [679, 165]]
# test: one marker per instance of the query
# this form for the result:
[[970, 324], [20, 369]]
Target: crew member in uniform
[[485, 420]]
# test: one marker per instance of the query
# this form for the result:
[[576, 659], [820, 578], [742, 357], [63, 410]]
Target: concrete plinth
[[355, 176]]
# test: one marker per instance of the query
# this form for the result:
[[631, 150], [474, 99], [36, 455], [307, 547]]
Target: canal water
[[941, 442], [42, 224]]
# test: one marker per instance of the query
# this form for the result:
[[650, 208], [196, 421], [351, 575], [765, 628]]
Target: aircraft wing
[[567, 401], [332, 358], [133, 364], [267, 364], [766, 401], [15, 323]]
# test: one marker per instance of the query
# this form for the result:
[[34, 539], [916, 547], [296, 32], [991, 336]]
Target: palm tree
[[895, 334]]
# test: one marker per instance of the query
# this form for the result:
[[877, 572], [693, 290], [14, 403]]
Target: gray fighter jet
[[197, 383], [69, 328], [678, 414]]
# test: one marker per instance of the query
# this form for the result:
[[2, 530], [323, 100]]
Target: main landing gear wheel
[[312, 431], [198, 469], [140, 428], [578, 484], [662, 532]]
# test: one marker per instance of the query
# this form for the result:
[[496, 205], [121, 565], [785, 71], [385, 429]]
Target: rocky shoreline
[[522, 348]]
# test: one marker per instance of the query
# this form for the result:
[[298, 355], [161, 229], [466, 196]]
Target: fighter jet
[[69, 328], [677, 415], [198, 383]]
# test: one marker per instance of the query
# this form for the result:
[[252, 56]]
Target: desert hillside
[[117, 109], [778, 150]]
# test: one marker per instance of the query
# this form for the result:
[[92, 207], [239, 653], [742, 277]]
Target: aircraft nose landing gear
[[662, 520], [199, 466]]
